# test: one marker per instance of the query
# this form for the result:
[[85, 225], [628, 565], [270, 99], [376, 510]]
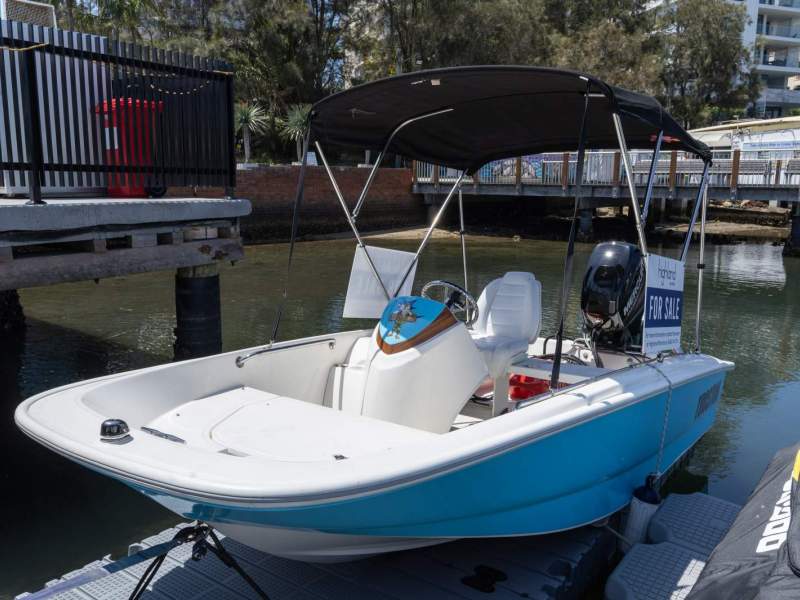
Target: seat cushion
[[497, 352]]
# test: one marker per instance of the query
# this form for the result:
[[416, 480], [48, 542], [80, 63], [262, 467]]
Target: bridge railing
[[729, 169]]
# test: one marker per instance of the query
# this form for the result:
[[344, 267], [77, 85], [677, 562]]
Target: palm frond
[[293, 127], [251, 116]]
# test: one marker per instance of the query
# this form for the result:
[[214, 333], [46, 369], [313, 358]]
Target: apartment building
[[774, 33]]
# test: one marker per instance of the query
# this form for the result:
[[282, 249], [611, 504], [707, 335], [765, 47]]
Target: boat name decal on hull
[[707, 398]]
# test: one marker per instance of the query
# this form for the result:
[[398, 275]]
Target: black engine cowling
[[612, 298]]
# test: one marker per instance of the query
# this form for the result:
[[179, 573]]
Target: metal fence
[[729, 169], [83, 111]]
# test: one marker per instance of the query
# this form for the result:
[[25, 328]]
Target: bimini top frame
[[467, 116]]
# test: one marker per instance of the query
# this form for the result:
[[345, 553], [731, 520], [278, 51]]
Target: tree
[[250, 119], [606, 50], [398, 36], [688, 53], [293, 128], [612, 39], [706, 69]]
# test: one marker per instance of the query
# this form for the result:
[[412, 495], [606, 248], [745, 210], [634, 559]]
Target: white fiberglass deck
[[250, 422]]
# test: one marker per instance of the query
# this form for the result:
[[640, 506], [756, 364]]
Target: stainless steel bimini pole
[[699, 208], [700, 268], [363, 196], [626, 161], [463, 241], [567, 280], [697, 204], [429, 233], [350, 220], [651, 178]]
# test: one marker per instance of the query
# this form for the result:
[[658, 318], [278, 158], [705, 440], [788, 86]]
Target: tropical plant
[[251, 120], [293, 127]]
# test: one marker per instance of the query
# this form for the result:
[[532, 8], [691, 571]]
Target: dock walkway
[[74, 239], [558, 566]]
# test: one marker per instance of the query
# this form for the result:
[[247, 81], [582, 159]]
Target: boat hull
[[570, 478]]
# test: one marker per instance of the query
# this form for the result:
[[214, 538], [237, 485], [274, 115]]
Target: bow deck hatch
[[247, 421]]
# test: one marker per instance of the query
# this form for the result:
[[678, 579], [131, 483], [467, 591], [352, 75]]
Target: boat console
[[418, 368]]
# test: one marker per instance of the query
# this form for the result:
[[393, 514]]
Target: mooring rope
[[298, 200], [666, 418]]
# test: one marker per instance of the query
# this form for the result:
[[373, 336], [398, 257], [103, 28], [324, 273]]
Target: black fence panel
[[81, 112]]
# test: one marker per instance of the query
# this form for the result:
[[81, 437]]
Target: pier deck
[[562, 566], [73, 239]]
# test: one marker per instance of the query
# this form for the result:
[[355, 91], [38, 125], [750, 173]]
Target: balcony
[[782, 96], [780, 3], [778, 61], [779, 30]]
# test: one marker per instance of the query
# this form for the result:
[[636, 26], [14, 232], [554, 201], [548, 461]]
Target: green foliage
[[120, 19], [705, 68], [289, 53], [249, 119], [293, 127]]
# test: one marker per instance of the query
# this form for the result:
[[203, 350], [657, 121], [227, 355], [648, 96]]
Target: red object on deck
[[129, 127], [522, 387]]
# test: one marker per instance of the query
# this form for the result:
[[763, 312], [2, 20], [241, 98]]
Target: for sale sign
[[663, 306]]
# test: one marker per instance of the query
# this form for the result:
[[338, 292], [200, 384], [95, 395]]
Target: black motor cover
[[758, 558], [612, 298]]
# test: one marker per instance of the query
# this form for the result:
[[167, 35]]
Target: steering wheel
[[457, 299]]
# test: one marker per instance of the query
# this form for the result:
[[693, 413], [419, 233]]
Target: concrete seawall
[[271, 190]]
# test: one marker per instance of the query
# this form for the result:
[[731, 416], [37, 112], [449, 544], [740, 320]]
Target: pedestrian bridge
[[732, 176]]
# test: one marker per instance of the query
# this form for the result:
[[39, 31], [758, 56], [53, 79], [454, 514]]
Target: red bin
[[129, 127]]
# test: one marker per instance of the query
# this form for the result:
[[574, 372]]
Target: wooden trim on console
[[439, 324]]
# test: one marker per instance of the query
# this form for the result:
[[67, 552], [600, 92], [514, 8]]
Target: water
[[57, 516]]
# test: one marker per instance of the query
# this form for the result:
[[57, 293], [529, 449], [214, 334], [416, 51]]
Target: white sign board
[[365, 298], [663, 305]]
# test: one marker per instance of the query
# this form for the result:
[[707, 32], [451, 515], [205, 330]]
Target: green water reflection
[[58, 516]]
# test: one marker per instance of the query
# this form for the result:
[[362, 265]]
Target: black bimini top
[[492, 112]]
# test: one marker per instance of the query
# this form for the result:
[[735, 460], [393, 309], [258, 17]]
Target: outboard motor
[[612, 298]]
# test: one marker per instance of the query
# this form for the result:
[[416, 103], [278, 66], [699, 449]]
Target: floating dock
[[681, 535], [563, 566]]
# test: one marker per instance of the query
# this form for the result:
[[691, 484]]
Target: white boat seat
[[509, 318]]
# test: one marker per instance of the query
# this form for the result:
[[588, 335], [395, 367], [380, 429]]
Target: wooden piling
[[673, 170]]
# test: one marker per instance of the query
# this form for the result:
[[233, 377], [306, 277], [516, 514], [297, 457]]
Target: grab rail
[[243, 358]]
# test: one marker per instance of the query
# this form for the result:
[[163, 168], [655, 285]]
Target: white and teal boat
[[351, 444]]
